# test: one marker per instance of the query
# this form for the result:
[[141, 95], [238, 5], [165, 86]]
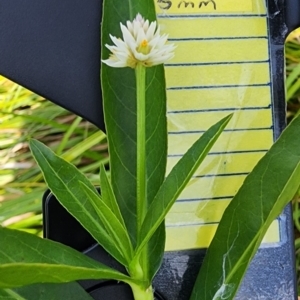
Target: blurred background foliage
[[293, 109], [25, 115]]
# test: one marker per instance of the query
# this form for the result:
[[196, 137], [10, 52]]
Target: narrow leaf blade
[[177, 180], [113, 226], [119, 98], [63, 180], [40, 260], [108, 195], [262, 197]]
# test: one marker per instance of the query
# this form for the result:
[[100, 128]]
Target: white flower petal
[[139, 18], [140, 56], [142, 43], [129, 27], [146, 26], [136, 28], [111, 48], [114, 63], [127, 36], [118, 42], [150, 31], [140, 37]]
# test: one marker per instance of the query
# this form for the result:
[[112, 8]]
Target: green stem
[[140, 293], [140, 72]]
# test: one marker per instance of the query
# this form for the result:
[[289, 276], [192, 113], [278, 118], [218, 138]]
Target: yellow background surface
[[199, 6], [221, 66]]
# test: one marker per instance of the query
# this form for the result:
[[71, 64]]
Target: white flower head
[[142, 44]]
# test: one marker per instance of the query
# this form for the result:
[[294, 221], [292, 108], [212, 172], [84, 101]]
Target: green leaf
[[156, 245], [46, 291], [26, 259], [265, 192], [113, 226], [7, 294], [108, 195], [292, 82], [178, 179], [77, 150], [120, 115], [63, 180], [119, 96]]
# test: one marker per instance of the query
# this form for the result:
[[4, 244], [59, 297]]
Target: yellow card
[[221, 65], [207, 6]]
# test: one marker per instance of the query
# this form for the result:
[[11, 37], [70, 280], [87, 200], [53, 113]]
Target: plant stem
[[140, 293], [140, 72]]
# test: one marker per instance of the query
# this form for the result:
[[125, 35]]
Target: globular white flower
[[142, 44]]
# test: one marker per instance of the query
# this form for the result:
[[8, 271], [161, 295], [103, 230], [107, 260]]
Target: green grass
[[293, 105], [24, 115], [293, 74]]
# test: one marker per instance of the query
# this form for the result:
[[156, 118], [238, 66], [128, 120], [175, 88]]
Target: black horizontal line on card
[[221, 175], [205, 199], [217, 86], [217, 38], [191, 111], [225, 130], [217, 63], [193, 16], [190, 224], [227, 152]]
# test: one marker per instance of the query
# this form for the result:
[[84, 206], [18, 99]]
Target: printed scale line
[[221, 175], [218, 63], [169, 225], [218, 109], [217, 86], [228, 152], [192, 224], [218, 38], [226, 130], [192, 16], [205, 199]]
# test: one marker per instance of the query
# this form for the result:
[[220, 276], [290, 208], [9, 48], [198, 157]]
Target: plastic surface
[[292, 14], [52, 47]]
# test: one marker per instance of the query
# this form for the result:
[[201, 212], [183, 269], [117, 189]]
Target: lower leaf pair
[[46, 261]]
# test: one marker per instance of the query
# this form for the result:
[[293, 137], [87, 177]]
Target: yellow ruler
[[221, 65]]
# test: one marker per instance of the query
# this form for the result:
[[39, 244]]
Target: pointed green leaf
[[265, 192], [178, 179], [108, 195], [63, 179], [156, 250], [119, 97], [92, 140], [112, 224], [40, 260], [46, 291]]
